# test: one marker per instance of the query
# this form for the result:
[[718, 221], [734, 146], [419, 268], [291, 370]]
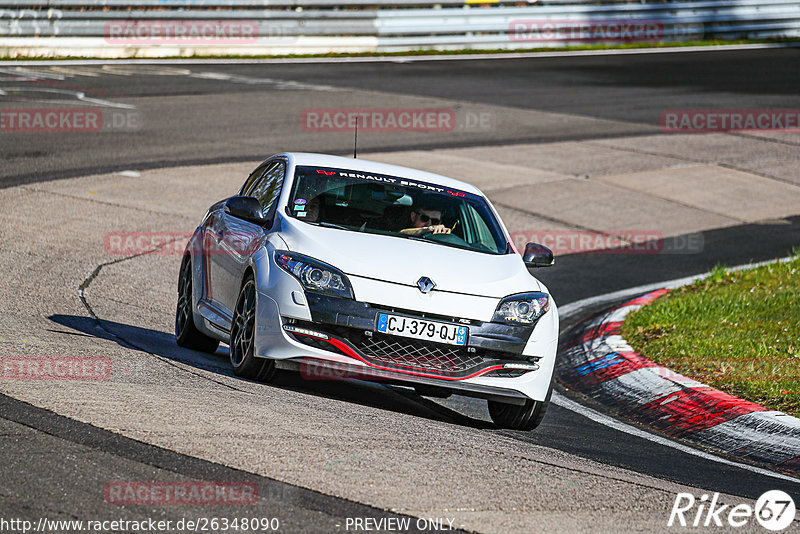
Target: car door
[[216, 279], [237, 239]]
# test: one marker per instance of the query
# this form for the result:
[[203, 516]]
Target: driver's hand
[[439, 229]]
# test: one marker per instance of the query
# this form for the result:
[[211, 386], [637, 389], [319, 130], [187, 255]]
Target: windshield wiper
[[332, 225]]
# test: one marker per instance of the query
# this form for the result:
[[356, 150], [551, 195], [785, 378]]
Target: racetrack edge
[[597, 363]]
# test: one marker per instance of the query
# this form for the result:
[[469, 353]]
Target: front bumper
[[339, 338], [363, 316], [348, 328], [319, 369]]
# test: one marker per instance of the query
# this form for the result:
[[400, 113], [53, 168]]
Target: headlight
[[315, 275], [522, 309]]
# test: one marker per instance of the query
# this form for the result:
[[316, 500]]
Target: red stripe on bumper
[[353, 354]]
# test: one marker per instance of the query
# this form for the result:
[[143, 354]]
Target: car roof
[[364, 165]]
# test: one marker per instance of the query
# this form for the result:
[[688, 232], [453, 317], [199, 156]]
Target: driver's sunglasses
[[425, 219]]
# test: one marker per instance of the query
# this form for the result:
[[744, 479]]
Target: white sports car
[[344, 267]]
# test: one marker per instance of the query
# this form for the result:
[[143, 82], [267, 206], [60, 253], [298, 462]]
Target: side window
[[477, 233], [255, 175], [268, 187]]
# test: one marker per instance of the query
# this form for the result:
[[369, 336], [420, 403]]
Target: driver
[[425, 219]]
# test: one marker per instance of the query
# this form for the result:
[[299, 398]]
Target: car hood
[[405, 261]]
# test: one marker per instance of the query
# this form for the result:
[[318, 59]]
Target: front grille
[[417, 354], [409, 354]]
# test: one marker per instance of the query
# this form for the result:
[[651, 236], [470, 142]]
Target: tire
[[186, 333], [515, 417], [243, 331]]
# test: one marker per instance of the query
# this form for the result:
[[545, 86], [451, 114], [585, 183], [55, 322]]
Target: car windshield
[[399, 207]]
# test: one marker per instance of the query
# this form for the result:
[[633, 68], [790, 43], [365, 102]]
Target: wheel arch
[[249, 272]]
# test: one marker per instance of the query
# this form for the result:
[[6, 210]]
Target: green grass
[[623, 46], [736, 331]]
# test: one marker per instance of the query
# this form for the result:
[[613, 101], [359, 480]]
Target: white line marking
[[408, 59], [560, 400], [77, 95], [31, 74], [278, 84]]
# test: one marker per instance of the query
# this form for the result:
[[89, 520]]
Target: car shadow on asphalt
[[161, 344]]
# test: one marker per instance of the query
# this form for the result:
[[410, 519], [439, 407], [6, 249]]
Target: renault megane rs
[[376, 272]]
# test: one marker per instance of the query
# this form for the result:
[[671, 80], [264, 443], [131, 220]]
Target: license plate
[[400, 325]]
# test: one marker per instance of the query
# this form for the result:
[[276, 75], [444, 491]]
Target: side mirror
[[247, 208], [537, 255]]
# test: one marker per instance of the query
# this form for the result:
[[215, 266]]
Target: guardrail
[[158, 28]]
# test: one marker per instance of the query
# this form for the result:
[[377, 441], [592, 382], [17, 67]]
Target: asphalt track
[[249, 111], [191, 117]]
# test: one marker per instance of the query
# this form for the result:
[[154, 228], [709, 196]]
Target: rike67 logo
[[774, 510]]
